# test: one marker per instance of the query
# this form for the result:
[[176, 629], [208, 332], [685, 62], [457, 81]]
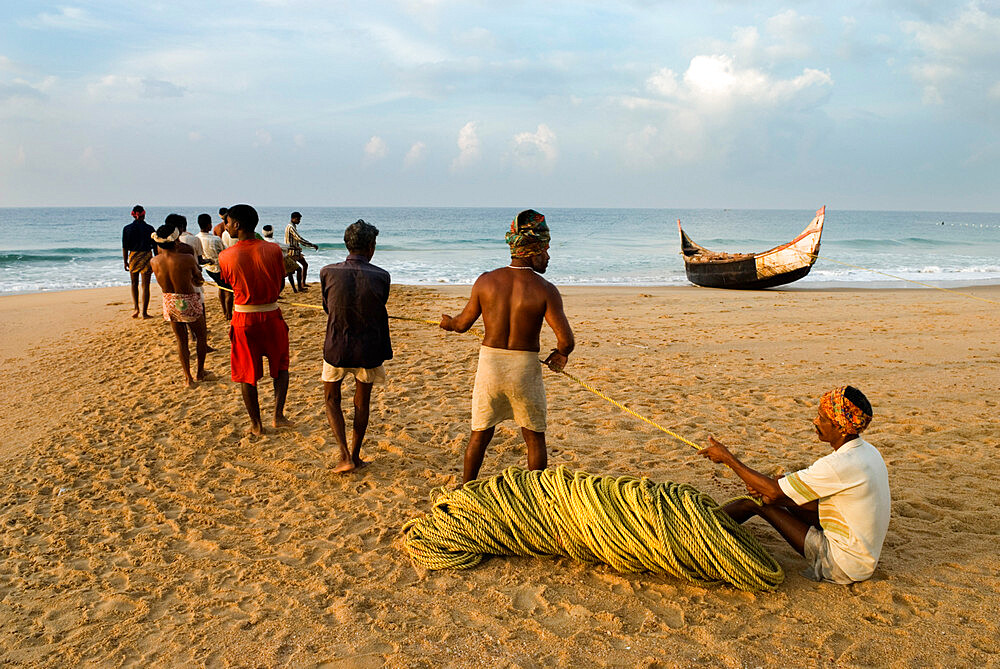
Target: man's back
[[136, 236], [255, 270], [354, 296], [175, 272], [514, 302]]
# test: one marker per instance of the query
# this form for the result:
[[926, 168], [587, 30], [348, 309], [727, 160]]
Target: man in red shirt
[[256, 271]]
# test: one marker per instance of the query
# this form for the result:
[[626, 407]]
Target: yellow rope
[[631, 524], [585, 385]]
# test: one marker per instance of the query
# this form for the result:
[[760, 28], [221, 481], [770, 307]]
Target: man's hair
[[858, 399], [222, 211], [267, 228], [360, 236], [295, 214], [165, 231], [204, 222], [137, 209], [177, 221], [245, 216]]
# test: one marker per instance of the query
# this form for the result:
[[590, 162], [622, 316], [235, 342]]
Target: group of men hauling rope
[[835, 513]]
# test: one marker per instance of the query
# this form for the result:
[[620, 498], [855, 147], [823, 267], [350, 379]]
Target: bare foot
[[191, 383], [256, 429], [344, 466], [209, 349], [135, 314], [281, 421], [205, 375], [146, 316], [359, 463]]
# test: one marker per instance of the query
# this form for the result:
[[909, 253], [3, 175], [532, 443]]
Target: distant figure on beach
[[256, 272], [513, 301], [836, 512], [211, 247], [295, 242], [355, 293], [137, 252], [220, 227], [179, 275], [291, 267]]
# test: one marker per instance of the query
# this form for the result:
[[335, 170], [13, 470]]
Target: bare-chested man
[[178, 275], [513, 301]]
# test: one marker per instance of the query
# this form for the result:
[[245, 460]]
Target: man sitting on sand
[[355, 293], [137, 251], [513, 301], [835, 512], [256, 272], [179, 275]]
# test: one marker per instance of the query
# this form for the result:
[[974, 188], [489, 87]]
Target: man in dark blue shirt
[[355, 293], [137, 250]]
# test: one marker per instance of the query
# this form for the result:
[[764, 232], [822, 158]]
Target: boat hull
[[775, 267]]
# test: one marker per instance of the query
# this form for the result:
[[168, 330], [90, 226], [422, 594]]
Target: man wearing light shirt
[[211, 246], [835, 512]]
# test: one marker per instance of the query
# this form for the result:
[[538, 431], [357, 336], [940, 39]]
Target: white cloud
[[537, 150], [263, 138], [19, 158], [957, 57], [68, 18], [299, 140], [88, 159], [469, 148], [663, 82], [717, 83], [375, 149], [415, 155], [195, 136]]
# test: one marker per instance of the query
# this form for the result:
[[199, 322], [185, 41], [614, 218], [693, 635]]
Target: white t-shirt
[[852, 486], [210, 248], [228, 240], [191, 241]]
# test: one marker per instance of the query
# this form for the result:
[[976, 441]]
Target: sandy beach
[[140, 526]]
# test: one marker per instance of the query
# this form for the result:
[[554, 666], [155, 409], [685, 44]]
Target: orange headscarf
[[844, 412]]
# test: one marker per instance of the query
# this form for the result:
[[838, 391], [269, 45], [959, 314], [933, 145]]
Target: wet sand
[[139, 526]]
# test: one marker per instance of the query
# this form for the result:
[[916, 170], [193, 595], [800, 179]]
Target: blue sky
[[856, 105]]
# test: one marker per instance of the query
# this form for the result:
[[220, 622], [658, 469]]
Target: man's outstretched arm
[[766, 486], [473, 309]]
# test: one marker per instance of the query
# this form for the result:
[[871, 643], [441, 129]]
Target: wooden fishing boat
[[780, 265]]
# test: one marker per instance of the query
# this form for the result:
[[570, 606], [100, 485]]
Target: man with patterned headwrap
[[835, 512], [514, 301]]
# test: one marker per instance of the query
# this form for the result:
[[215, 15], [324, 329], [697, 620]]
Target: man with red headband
[[137, 252], [835, 512], [513, 301]]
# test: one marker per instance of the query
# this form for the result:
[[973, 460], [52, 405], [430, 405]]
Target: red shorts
[[254, 336]]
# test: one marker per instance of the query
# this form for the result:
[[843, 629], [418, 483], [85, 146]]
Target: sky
[[731, 104]]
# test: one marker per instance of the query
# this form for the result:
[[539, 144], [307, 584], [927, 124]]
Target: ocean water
[[45, 249]]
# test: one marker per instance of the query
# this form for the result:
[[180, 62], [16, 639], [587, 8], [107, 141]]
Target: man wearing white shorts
[[514, 301], [355, 293], [836, 511]]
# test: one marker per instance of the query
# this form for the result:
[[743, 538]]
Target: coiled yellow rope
[[633, 525]]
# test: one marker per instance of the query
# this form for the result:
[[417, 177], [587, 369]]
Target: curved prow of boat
[[775, 267]]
